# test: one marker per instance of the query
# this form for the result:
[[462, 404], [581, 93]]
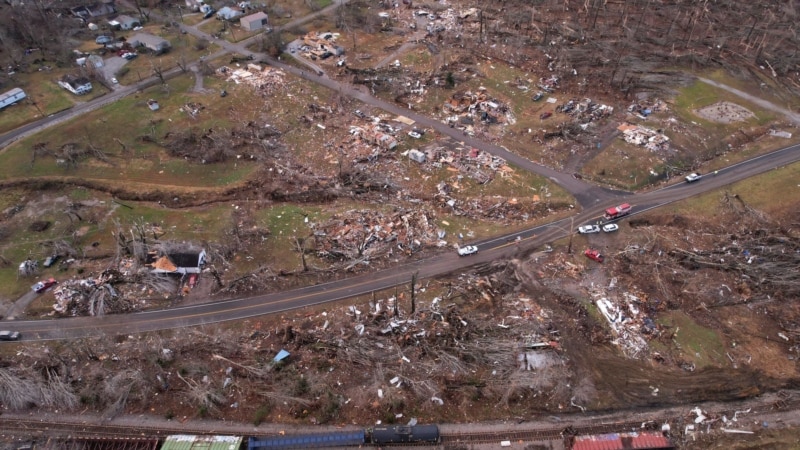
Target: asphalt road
[[490, 250], [593, 199]]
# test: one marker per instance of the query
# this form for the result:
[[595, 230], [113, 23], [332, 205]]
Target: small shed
[[255, 21], [194, 442], [416, 155]]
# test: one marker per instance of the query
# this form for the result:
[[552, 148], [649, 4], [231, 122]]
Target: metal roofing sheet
[[192, 442], [622, 441]]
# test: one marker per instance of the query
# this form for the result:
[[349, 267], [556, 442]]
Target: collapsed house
[[652, 140], [264, 79], [178, 262], [321, 45]]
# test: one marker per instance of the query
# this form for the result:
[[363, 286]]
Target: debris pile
[[643, 109], [473, 163], [320, 45], [653, 140], [266, 80], [549, 84], [628, 322], [377, 134], [192, 108], [72, 292], [585, 110], [463, 109], [365, 234]]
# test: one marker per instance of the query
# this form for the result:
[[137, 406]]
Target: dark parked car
[[9, 335], [538, 96], [545, 115], [50, 260]]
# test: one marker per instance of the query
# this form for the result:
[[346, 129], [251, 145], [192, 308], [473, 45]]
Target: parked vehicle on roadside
[[692, 177], [6, 335], [467, 250], [44, 285], [588, 229], [609, 227]]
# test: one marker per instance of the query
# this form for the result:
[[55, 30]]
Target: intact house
[[76, 85], [228, 13], [193, 5], [11, 97], [153, 43], [254, 22], [123, 22], [88, 12], [178, 263]]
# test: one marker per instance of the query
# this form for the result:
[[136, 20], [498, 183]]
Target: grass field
[[140, 161]]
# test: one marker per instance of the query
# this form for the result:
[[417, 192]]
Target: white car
[[693, 177], [588, 229], [609, 227], [414, 134], [467, 250], [114, 81]]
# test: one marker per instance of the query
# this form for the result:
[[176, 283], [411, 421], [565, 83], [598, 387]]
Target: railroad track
[[143, 433]]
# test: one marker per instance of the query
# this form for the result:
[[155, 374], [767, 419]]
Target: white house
[[11, 97], [124, 22], [78, 86], [149, 41]]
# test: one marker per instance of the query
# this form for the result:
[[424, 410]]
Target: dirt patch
[[724, 112]]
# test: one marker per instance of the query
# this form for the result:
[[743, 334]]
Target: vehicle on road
[[44, 285], [588, 229], [618, 211], [6, 335], [609, 227], [593, 255], [467, 250], [692, 177], [114, 81]]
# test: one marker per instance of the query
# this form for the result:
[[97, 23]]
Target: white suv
[[588, 229], [694, 176], [467, 250]]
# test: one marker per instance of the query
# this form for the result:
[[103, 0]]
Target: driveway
[[112, 66]]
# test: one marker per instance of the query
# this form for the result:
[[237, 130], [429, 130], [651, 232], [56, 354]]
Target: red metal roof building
[[622, 441]]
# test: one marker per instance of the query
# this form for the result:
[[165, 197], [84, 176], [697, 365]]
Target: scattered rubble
[[653, 140], [464, 109], [360, 235], [266, 80], [320, 45], [642, 109], [585, 110], [628, 322]]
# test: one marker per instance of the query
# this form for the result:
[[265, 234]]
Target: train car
[[403, 434], [318, 440]]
